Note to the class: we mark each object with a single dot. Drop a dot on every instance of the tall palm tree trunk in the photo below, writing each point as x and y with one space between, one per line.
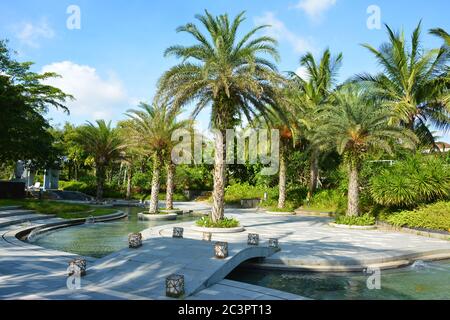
100 175
155 184
129 178
169 185
314 174
282 180
353 191
219 178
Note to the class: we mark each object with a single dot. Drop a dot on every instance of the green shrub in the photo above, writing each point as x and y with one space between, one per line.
207 222
328 200
364 220
236 192
435 216
417 180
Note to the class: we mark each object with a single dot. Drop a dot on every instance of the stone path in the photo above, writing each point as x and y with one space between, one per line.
30 272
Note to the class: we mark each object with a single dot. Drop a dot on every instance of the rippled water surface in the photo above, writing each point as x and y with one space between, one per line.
100 239
424 280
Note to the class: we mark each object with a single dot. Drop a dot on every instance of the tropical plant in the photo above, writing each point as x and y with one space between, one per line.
408 183
412 84
355 126
442 34
307 96
151 130
104 144
231 75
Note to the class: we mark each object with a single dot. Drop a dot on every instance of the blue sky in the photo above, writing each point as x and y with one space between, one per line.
116 58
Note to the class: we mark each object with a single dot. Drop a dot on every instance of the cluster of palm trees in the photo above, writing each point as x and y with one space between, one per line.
238 79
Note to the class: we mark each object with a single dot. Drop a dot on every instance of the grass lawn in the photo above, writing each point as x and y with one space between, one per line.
60 209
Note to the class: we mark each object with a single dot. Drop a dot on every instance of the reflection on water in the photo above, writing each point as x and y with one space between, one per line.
99 239
423 280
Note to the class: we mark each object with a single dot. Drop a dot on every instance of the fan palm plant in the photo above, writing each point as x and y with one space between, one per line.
355 125
104 144
412 83
308 95
231 75
152 127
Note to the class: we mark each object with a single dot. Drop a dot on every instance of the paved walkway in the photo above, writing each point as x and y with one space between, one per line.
30 272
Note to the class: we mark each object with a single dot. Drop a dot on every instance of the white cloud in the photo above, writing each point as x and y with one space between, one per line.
31 34
279 31
302 72
96 97
315 8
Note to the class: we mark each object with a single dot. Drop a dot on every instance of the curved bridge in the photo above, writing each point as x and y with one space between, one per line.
143 271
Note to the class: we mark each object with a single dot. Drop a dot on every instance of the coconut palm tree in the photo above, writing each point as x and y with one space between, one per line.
231 75
310 93
152 127
355 125
104 144
412 83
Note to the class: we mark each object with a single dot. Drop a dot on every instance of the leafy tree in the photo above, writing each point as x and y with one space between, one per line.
230 74
412 83
104 144
355 125
23 101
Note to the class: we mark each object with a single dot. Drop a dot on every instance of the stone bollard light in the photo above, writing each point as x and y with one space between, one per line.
273 243
221 250
175 286
178 232
135 240
253 239
77 267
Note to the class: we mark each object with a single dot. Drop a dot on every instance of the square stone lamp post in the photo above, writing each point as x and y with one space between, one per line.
221 250
135 240
175 286
77 267
178 232
253 239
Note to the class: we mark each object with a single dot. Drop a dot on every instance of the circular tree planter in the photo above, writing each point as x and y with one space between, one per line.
218 230
344 226
156 217
176 211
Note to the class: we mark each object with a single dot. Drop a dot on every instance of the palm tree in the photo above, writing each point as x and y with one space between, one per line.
231 75
152 128
308 95
104 144
443 34
412 84
129 155
355 125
